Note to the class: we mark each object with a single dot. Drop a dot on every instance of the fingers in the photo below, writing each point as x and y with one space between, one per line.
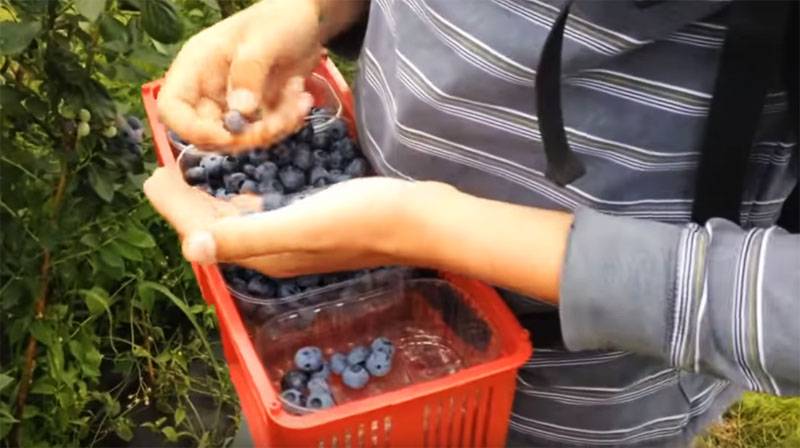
288 115
250 67
188 209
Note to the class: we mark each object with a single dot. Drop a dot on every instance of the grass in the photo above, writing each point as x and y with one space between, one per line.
757 421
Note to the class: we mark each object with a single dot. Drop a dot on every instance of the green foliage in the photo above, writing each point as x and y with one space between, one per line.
125 346
757 421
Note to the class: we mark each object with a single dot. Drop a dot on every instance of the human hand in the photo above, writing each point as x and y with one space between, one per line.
253 62
356 224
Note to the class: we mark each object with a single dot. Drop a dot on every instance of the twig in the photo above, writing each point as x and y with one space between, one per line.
39 308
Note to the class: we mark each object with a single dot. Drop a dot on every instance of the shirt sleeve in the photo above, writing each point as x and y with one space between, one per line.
715 299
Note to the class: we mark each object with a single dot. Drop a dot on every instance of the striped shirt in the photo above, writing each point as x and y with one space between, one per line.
663 322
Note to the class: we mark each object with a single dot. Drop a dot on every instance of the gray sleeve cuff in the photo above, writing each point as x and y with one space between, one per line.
617 285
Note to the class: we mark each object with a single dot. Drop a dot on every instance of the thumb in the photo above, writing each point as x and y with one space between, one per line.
252 63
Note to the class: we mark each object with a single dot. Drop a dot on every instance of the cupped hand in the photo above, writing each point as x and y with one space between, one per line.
356 224
253 62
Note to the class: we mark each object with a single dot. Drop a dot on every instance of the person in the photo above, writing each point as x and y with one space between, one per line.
555 149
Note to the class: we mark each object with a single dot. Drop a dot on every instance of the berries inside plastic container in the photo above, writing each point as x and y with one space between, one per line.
426 325
319 154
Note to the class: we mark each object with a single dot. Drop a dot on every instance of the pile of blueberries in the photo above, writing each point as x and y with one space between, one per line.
307 384
309 160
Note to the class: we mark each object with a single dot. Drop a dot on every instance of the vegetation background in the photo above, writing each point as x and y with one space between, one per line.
105 338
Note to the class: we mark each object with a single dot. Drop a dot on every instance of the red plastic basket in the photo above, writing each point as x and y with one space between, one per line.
468 408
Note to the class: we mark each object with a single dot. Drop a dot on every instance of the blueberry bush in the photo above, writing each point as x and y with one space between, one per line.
105 339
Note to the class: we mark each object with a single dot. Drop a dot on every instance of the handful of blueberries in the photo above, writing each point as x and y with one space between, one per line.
299 165
307 385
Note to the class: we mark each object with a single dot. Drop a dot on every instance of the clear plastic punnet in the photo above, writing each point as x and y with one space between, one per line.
258 310
436 332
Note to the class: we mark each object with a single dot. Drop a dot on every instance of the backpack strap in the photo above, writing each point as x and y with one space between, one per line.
749 61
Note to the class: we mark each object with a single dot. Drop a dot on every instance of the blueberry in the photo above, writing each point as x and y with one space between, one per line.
382 344
206 188
248 187
261 286
379 364
234 121
287 288
292 178
221 193
318 384
336 178
330 279
134 122
294 397
338 129
271 186
305 134
308 281
320 400
271 201
233 182
247 274
266 171
212 163
195 175
281 154
238 284
302 157
346 147
258 156
230 164
335 160
319 157
356 168
249 169
320 141
355 376
176 138
308 359
317 173
357 355
323 373
338 363
294 379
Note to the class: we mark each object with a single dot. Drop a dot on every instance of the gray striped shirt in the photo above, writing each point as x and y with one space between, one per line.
664 322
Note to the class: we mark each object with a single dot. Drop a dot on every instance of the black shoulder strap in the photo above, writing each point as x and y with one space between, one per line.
750 59
562 165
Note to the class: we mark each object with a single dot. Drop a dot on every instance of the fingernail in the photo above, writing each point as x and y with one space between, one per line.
305 103
200 247
242 100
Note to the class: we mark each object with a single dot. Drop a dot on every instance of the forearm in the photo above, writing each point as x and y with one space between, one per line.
510 246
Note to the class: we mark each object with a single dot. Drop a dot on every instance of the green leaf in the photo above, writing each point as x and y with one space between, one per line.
111 259
125 250
43 386
180 415
16 36
43 332
97 300
123 431
5 380
101 184
161 22
138 238
170 433
90 240
91 9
